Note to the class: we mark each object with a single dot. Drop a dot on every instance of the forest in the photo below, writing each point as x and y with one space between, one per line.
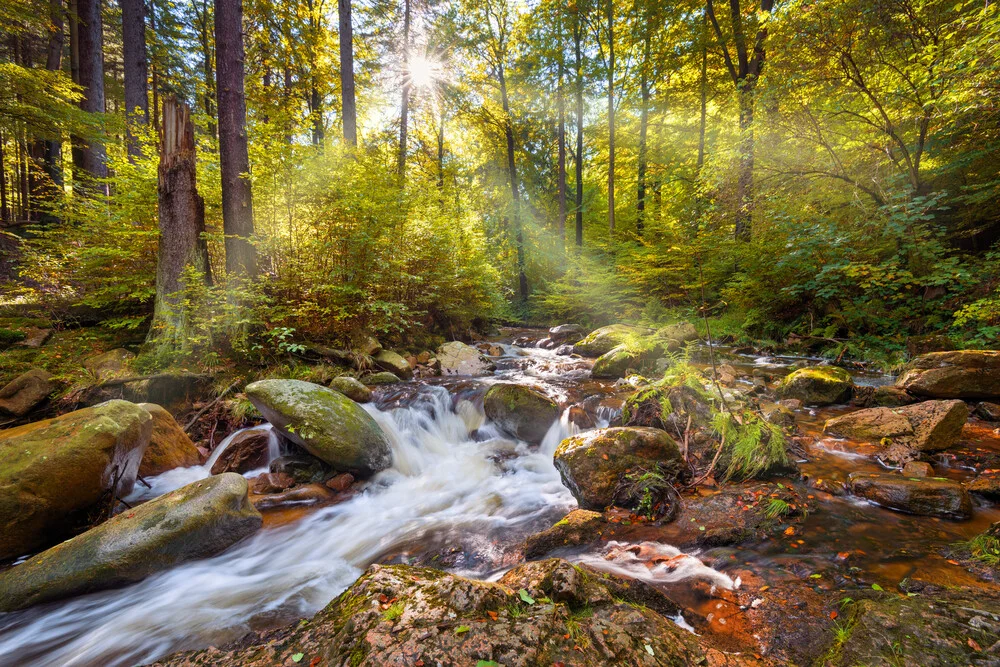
636 309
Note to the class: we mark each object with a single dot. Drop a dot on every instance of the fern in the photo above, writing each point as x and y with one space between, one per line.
753 445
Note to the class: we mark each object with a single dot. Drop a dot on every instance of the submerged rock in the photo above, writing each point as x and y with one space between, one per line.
988 411
392 362
522 411
928 496
930 426
302 467
324 422
169 446
566 334
457 358
593 464
543 613
247 450
351 388
958 374
25 392
817 385
54 472
195 521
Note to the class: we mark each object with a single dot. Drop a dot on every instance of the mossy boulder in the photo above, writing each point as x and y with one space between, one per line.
957 374
394 363
619 361
929 426
575 616
522 411
109 363
351 388
25 392
169 446
675 335
55 472
577 528
380 378
457 358
593 464
327 424
925 496
817 385
195 521
603 340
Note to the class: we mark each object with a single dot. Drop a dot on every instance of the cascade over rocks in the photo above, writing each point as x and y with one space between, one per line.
54 472
327 424
927 496
195 521
457 358
593 464
930 426
444 619
817 385
25 392
957 374
522 411
169 446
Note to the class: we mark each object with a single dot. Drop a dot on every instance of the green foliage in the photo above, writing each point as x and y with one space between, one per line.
9 336
753 445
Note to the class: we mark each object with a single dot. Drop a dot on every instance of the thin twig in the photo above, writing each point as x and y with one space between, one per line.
711 466
198 415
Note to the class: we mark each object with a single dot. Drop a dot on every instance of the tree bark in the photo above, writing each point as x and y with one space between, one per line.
578 55
4 211
703 95
640 219
76 143
136 71
315 97
349 109
182 221
404 104
91 41
206 65
53 62
611 117
234 161
561 175
522 279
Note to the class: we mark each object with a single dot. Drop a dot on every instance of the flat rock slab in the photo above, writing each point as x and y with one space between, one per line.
930 426
958 374
926 496
457 358
34 337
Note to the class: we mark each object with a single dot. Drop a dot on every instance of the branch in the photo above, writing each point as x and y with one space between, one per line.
722 42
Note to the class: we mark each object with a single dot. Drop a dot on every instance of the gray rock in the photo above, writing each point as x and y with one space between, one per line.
457 358
524 412
351 388
25 392
927 496
392 362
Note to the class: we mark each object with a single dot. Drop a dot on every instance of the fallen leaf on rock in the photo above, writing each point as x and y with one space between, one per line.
974 646
493 615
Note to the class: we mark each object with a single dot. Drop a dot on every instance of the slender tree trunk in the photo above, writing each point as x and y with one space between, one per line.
76 143
640 205
611 118
155 71
703 95
53 62
206 66
182 222
578 54
440 143
315 98
4 210
744 180
237 201
136 71
348 106
561 176
404 105
91 41
508 131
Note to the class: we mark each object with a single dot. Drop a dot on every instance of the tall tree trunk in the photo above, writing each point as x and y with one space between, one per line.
440 143
206 66
611 117
508 130
315 97
237 201
640 219
578 54
91 42
182 222
744 180
76 143
404 104
349 109
5 215
703 95
155 71
53 62
561 175
136 71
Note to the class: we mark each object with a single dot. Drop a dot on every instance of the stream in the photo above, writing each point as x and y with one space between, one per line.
457 487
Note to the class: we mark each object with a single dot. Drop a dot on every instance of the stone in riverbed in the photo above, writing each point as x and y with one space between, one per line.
303 468
929 426
576 528
566 333
592 464
617 362
392 362
377 379
457 358
817 385
890 397
327 424
987 485
247 450
958 374
988 411
603 340
522 411
923 496
351 388
918 469
169 446
54 472
195 521
25 392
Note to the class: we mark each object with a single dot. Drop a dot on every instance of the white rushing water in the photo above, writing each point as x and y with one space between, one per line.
443 483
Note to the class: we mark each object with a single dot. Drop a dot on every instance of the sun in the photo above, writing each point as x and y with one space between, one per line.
423 72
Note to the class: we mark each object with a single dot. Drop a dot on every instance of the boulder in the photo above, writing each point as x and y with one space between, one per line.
327 424
675 335
576 528
53 473
566 333
271 482
341 482
917 345
110 363
929 426
592 464
890 397
817 385
369 345
246 450
987 484
927 496
34 337
617 362
918 469
377 379
957 374
195 521
169 446
392 362
25 392
605 339
351 388
988 411
522 411
305 494
303 468
457 358
541 613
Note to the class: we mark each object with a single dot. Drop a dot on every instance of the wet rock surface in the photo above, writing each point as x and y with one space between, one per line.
169 446
25 392
524 412
817 385
924 496
457 358
929 426
352 389
247 450
958 374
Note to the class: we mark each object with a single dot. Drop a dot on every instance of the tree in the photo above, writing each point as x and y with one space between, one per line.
578 66
404 103
91 58
135 70
53 62
348 108
234 160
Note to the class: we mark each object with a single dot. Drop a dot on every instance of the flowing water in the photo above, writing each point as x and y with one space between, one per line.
457 487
